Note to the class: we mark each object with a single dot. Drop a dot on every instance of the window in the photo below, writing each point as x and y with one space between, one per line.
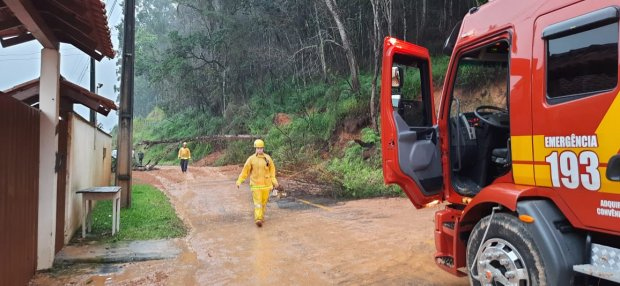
411 101
482 79
582 63
479 121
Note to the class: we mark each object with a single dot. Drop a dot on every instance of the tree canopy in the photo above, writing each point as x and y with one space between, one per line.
215 55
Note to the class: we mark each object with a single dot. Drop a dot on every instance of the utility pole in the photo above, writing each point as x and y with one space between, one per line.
93 114
125 118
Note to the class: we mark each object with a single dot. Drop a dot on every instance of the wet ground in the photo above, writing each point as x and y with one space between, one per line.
303 242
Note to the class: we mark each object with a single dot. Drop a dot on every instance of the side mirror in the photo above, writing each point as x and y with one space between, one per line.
448 46
397 77
397 84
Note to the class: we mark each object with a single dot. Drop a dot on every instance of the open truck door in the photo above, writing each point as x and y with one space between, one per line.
409 135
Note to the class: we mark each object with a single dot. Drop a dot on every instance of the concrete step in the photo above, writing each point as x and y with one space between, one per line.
119 252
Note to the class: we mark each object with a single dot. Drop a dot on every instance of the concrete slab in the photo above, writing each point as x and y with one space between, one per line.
119 252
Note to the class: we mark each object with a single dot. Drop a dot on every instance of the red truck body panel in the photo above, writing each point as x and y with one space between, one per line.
584 130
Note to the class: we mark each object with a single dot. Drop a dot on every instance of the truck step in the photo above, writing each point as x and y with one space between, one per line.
448 228
605 263
449 224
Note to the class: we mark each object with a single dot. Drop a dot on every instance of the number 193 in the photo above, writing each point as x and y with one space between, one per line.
565 170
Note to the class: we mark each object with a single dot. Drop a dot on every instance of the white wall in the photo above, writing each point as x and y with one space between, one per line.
89 164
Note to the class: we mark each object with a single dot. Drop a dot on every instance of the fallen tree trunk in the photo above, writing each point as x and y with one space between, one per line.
148 166
201 139
145 168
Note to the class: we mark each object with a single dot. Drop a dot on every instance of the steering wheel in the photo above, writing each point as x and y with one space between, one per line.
498 118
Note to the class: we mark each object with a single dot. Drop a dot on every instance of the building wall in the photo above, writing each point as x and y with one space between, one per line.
89 165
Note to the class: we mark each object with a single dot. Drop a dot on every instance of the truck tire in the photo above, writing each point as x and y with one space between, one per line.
508 255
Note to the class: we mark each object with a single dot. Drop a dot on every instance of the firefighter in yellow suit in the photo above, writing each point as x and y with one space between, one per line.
262 172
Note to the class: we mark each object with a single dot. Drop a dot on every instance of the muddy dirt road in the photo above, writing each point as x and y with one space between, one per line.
317 242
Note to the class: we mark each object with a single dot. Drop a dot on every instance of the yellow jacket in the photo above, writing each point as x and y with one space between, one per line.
184 153
262 172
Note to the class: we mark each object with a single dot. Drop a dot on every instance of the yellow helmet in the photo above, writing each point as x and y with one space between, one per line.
259 143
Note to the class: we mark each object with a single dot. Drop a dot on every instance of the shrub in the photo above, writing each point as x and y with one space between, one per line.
236 153
361 178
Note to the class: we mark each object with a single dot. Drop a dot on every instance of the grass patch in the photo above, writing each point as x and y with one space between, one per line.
151 216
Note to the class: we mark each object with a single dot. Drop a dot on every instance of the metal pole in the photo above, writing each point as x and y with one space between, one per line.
125 118
93 114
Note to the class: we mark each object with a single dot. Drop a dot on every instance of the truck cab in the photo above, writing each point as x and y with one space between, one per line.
522 143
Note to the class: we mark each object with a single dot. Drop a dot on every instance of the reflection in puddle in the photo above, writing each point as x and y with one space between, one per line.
99 281
109 268
102 270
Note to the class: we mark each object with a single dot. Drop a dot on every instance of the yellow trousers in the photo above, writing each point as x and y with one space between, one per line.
260 197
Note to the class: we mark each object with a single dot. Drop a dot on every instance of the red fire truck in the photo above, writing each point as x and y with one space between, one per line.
522 144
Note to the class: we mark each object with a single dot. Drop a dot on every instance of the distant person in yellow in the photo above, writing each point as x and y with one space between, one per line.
184 155
262 172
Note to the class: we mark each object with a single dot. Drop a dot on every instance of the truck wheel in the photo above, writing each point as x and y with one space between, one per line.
508 255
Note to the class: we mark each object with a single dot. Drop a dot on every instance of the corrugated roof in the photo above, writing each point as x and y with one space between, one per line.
81 23
29 92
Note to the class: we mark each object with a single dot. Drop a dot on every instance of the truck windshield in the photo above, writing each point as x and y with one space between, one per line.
482 78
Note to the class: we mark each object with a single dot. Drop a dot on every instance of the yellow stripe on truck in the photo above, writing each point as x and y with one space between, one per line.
609 143
541 170
522 168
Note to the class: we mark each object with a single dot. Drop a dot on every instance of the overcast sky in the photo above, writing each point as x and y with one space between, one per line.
22 63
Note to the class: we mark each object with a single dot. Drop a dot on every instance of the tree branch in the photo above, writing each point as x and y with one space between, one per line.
302 49
148 144
205 60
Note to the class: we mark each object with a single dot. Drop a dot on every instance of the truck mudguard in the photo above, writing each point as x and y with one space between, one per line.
561 246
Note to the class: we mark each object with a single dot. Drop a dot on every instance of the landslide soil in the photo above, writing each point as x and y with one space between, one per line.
364 242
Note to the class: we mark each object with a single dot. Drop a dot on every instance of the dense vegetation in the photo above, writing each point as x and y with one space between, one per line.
301 74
